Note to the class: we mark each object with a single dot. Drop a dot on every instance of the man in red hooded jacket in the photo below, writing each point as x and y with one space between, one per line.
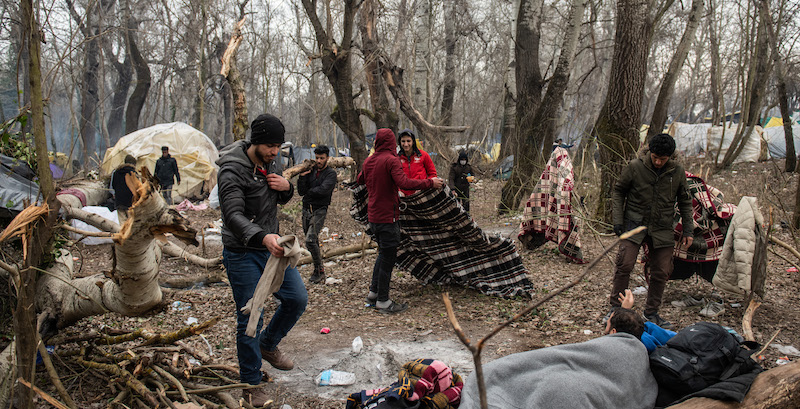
383 175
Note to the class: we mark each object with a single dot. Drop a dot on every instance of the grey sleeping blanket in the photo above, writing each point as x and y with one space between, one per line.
612 371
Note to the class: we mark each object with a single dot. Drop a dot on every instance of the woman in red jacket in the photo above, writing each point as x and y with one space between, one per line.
416 163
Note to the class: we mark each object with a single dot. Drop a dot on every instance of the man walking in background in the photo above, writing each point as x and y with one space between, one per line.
166 172
645 195
316 186
383 174
250 189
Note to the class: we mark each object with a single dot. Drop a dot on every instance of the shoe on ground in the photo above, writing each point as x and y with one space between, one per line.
689 301
277 359
371 301
318 276
656 319
712 309
608 315
393 308
256 397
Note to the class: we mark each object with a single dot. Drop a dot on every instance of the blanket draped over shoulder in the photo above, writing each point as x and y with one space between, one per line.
548 213
441 244
421 384
612 371
711 219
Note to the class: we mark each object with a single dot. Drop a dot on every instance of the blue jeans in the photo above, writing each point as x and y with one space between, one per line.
388 237
244 270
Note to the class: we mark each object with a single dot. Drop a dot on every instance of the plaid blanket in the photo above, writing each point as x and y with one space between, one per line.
711 219
548 212
441 244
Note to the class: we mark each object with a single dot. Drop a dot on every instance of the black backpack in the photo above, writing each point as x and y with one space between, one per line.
699 356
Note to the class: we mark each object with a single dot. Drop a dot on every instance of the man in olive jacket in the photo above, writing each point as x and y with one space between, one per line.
645 195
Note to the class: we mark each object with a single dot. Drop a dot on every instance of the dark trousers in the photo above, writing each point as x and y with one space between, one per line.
313 220
244 270
388 237
463 198
660 268
166 192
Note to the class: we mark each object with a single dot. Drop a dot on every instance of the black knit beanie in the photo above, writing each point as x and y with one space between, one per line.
267 129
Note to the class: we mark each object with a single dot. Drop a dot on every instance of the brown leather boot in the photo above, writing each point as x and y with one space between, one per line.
256 397
277 359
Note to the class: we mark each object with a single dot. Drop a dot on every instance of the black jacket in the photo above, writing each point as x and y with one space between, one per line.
317 187
458 178
122 193
249 206
166 170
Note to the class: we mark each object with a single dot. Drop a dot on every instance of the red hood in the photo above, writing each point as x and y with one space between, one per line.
385 140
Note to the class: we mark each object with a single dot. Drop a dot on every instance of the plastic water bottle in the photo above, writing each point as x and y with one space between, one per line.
358 344
330 377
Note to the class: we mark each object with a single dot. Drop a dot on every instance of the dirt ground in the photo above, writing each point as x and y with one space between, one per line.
424 330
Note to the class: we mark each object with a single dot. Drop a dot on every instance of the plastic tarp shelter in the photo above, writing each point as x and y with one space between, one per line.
193 150
776 140
755 148
690 139
15 188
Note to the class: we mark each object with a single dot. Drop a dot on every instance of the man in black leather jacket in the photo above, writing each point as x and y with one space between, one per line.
250 189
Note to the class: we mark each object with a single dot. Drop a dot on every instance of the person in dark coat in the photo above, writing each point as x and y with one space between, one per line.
645 195
460 178
250 189
166 172
123 197
316 186
383 174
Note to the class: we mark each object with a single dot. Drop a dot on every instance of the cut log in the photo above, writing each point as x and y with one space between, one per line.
747 320
338 252
308 164
778 388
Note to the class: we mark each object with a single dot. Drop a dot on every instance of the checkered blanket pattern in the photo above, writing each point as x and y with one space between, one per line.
441 244
548 212
711 219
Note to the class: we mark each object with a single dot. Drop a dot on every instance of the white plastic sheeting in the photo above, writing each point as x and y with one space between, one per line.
776 139
755 148
98 210
690 139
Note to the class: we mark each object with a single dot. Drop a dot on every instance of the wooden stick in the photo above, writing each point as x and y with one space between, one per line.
308 164
785 259
764 348
339 251
747 320
51 400
54 378
84 232
161 371
785 245
477 348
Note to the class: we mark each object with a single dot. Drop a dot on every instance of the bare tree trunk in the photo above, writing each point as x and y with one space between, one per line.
382 114
659 118
617 127
783 99
450 38
336 64
757 79
539 138
139 94
716 87
231 72
89 88
124 78
423 16
198 116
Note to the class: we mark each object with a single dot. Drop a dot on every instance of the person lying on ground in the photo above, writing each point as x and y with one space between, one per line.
624 319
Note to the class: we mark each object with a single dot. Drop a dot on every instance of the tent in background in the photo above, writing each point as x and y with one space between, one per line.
755 148
690 139
17 188
776 140
193 150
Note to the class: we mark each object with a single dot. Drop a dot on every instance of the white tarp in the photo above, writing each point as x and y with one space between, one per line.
193 150
91 241
690 139
755 148
776 139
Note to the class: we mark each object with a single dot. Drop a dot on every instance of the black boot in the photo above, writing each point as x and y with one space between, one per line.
318 275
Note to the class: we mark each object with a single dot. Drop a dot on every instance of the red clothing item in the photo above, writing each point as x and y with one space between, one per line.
383 175
417 167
